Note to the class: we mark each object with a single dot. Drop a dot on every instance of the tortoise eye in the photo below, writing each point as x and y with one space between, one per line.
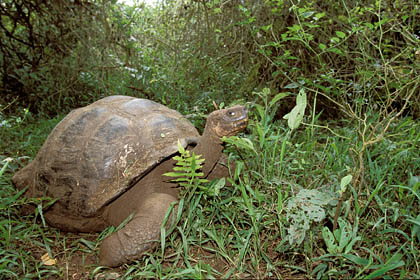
231 114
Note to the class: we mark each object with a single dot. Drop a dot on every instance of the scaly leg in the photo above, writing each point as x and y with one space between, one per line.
140 234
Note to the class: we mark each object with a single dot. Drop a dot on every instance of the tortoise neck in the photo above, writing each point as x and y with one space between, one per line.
210 147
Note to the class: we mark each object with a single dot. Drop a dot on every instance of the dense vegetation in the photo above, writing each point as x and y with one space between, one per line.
333 194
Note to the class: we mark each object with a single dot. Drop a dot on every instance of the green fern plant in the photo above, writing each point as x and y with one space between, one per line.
187 169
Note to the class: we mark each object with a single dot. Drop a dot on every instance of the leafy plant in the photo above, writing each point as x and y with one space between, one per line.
187 172
342 239
295 117
304 209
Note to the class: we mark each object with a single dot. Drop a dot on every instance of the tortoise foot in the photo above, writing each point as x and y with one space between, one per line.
139 235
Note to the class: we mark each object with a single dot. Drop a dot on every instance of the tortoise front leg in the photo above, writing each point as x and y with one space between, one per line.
140 234
221 169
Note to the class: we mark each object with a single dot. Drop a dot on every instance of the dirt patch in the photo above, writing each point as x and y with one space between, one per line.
218 263
71 256
78 266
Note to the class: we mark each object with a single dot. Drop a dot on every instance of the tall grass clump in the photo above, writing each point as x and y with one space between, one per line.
23 240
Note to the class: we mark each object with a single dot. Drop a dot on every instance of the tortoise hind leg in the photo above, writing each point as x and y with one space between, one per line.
140 234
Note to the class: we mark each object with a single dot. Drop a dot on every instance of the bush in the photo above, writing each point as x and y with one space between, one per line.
58 55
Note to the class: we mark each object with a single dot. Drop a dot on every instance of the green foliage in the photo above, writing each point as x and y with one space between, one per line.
23 134
343 53
343 239
187 170
16 260
295 116
359 54
304 209
56 56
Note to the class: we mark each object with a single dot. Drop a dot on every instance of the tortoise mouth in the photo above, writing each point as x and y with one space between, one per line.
239 126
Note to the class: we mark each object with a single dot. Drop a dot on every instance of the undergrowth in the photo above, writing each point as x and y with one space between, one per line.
276 217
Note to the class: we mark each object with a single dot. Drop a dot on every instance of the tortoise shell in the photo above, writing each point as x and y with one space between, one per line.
99 151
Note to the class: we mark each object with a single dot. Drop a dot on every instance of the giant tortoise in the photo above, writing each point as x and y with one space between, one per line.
106 161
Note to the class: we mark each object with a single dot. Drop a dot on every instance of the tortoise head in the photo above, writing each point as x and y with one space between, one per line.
227 122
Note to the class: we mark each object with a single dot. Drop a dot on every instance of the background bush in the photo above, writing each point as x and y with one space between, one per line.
59 55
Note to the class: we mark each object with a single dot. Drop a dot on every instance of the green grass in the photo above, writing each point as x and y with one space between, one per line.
244 231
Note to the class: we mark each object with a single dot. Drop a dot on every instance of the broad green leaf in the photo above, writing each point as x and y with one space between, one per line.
344 182
215 188
335 50
193 163
242 143
414 181
295 117
238 170
335 39
278 96
260 110
340 34
261 134
329 240
349 246
307 14
384 269
177 158
369 25
357 260
319 15
266 27
172 174
292 85
345 237
162 238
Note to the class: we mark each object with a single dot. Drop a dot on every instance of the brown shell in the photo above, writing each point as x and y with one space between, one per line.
97 152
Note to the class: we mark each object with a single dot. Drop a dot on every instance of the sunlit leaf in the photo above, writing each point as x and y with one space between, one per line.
340 34
295 117
242 143
344 182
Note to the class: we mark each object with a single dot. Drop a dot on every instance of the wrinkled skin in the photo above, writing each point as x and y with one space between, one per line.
106 161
